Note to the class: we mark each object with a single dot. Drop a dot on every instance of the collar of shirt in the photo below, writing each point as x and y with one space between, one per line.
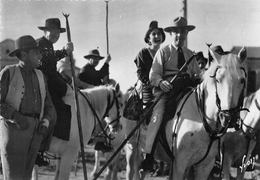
26 69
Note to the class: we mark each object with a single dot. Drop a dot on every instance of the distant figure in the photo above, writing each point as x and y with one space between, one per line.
26 110
202 61
89 74
218 49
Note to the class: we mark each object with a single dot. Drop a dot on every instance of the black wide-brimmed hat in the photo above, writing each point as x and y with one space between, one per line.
26 42
218 49
178 23
95 53
52 24
153 25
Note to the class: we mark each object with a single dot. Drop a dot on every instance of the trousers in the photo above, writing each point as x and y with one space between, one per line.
19 149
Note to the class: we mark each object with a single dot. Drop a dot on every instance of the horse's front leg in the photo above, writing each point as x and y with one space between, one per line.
57 170
96 165
35 173
66 162
226 167
203 169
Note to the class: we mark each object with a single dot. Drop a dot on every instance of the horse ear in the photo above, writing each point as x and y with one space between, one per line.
117 87
215 55
242 54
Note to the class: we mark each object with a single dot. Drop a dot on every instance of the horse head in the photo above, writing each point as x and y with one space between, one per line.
114 108
227 80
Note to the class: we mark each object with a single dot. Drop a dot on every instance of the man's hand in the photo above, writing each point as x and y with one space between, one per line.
108 58
69 47
20 121
6 111
165 86
43 126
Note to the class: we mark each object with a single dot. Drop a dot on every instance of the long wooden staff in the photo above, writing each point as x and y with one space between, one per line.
76 100
107 34
146 113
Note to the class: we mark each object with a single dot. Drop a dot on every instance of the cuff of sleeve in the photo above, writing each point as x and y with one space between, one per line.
46 122
158 83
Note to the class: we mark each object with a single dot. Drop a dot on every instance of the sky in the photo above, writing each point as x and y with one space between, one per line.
221 22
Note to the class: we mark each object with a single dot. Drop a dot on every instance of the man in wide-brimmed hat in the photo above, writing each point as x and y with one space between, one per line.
26 110
218 49
90 75
56 84
167 62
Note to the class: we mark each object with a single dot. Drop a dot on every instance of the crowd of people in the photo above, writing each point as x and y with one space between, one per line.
32 90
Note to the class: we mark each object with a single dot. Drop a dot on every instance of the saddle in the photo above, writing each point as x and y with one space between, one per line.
170 112
58 89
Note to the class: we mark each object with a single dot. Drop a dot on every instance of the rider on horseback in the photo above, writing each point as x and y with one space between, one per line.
166 64
90 75
56 84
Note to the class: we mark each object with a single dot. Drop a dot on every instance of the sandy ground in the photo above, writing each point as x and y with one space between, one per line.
48 173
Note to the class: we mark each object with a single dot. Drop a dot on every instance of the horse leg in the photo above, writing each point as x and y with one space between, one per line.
57 170
67 159
35 173
132 167
178 171
96 165
115 168
203 170
226 167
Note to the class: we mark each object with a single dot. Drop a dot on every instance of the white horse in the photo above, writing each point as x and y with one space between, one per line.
105 103
238 145
113 168
203 116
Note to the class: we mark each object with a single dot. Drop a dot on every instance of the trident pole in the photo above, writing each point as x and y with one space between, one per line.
76 100
107 34
142 119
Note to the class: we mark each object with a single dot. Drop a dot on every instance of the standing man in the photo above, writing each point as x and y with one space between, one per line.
56 84
26 110
166 64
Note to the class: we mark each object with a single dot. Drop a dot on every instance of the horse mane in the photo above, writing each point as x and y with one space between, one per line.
97 94
249 99
229 61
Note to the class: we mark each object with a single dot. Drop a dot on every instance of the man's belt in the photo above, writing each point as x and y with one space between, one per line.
37 116
181 75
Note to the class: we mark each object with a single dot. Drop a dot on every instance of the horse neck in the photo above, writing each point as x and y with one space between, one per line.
252 118
209 98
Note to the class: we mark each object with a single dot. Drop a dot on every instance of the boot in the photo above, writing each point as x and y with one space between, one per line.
42 160
148 163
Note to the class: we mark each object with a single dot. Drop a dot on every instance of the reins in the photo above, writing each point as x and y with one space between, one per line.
109 106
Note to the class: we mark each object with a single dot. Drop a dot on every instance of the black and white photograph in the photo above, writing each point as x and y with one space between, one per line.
130 89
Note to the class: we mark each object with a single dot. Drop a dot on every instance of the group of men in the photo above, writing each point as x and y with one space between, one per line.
32 91
31 98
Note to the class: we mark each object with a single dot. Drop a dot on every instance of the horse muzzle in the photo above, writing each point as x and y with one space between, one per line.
230 119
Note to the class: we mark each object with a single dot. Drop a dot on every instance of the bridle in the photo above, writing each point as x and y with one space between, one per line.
234 113
110 105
